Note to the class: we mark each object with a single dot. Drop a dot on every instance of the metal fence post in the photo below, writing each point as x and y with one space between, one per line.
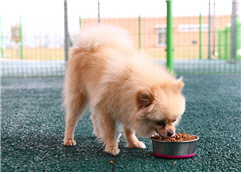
200 36
219 43
209 29
66 32
238 39
170 56
1 30
233 31
227 42
139 31
98 12
214 30
21 38
80 22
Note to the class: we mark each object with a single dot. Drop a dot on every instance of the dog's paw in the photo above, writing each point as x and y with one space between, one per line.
113 150
69 142
137 145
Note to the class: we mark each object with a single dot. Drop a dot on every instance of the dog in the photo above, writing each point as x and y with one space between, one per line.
119 83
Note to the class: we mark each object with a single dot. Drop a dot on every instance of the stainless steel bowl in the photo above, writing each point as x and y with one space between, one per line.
178 149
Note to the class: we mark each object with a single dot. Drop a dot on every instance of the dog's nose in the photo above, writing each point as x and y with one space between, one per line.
170 133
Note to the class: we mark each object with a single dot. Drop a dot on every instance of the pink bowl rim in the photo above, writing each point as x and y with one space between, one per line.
174 156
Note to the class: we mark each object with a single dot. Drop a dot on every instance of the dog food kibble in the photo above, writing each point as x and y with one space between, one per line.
177 137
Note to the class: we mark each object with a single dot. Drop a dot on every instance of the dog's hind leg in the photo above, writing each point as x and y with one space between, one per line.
132 141
75 104
108 128
96 125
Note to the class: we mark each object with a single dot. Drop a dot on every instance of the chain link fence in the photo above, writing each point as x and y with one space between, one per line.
32 39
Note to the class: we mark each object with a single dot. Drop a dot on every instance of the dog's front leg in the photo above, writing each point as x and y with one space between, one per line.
108 126
132 140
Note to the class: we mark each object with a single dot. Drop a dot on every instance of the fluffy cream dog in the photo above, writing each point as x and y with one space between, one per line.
121 84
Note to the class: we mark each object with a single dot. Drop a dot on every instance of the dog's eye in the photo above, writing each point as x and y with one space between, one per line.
161 123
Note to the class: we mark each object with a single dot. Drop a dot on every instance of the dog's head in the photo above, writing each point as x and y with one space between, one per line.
160 109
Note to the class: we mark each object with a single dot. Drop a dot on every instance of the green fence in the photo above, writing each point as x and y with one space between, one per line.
224 42
238 40
38 50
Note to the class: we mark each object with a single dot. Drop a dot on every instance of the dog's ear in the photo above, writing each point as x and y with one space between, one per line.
144 98
179 84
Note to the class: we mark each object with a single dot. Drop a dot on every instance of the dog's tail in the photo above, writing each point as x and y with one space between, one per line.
103 35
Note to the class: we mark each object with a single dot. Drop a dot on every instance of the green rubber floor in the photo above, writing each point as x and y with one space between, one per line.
32 129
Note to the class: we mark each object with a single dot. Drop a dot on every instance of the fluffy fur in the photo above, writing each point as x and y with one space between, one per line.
121 84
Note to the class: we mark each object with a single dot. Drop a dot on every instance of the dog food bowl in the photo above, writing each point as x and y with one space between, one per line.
176 149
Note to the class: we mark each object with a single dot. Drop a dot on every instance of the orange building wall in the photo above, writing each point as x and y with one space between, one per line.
183 46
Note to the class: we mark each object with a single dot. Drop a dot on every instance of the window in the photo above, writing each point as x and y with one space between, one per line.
162 36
